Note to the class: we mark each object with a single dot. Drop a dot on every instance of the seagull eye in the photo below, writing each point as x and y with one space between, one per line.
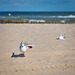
22 46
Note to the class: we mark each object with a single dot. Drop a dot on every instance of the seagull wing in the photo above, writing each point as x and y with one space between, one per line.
30 45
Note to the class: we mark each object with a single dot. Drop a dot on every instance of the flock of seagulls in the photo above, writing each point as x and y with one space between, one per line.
24 47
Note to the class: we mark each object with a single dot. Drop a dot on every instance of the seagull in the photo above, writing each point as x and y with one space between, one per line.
9 14
24 47
62 37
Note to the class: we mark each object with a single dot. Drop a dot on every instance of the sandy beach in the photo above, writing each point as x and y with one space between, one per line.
49 56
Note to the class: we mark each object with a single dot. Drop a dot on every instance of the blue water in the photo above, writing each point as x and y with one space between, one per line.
39 16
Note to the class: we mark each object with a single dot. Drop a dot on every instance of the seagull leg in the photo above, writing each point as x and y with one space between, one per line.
24 54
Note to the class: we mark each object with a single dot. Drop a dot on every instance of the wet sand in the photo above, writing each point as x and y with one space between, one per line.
49 56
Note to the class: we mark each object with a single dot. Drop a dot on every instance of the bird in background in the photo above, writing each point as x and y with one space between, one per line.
61 37
24 47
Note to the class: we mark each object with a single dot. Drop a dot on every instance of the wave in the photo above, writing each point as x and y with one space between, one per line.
40 18
54 16
32 20
59 16
62 21
9 18
69 16
44 16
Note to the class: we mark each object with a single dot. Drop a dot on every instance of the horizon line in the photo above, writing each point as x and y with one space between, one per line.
37 11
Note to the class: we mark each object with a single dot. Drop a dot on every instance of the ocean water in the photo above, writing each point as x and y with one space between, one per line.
39 16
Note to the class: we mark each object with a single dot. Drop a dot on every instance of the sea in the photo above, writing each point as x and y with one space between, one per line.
39 16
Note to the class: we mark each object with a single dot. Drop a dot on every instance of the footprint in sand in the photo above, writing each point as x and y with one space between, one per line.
42 68
32 69
16 70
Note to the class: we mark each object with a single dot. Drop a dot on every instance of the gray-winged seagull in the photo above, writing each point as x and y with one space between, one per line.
24 47
61 37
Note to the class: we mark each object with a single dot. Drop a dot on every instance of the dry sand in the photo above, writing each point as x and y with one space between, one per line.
49 57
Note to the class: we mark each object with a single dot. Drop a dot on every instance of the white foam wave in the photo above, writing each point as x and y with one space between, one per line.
69 16
62 21
2 16
36 20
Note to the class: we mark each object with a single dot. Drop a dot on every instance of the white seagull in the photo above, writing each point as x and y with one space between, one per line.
9 14
24 47
61 37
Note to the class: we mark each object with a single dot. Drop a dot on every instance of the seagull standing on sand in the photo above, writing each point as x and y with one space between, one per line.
24 47
61 37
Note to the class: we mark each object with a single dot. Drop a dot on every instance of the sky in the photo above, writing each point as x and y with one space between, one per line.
37 5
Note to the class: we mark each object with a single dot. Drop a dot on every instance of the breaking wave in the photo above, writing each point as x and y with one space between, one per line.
69 16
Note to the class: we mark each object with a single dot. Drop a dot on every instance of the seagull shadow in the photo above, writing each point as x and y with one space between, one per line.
17 55
57 38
